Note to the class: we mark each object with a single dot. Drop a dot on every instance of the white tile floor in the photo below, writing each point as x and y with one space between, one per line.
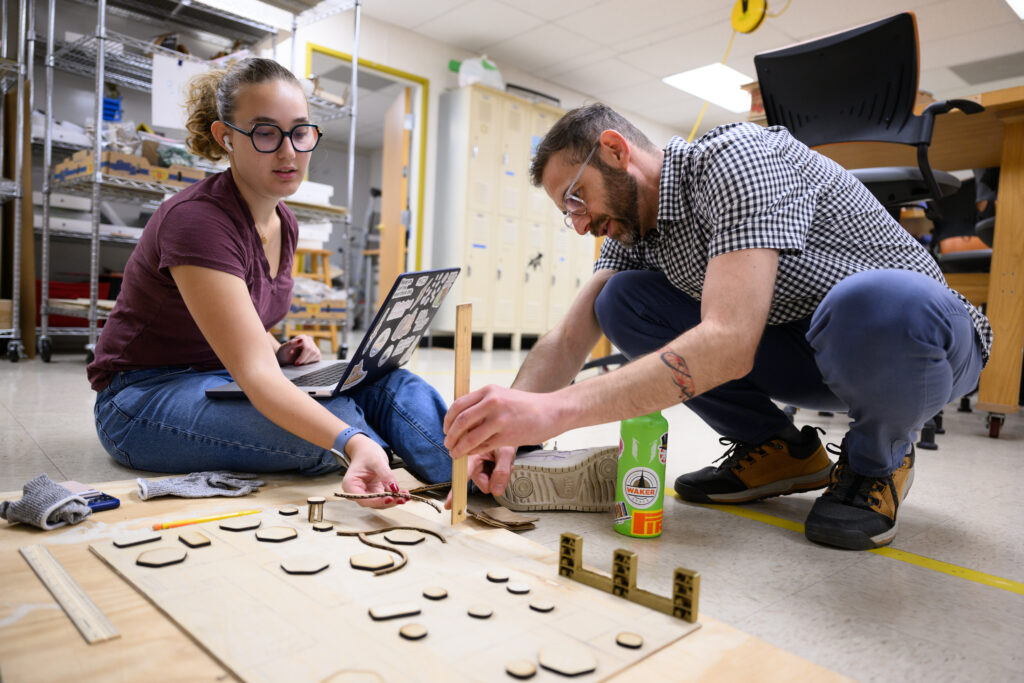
870 616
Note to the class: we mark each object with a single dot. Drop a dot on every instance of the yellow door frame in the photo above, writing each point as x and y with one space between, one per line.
424 89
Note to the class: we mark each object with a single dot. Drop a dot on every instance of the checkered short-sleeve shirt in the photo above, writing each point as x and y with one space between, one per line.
742 186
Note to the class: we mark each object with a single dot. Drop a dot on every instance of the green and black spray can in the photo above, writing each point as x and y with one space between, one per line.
640 493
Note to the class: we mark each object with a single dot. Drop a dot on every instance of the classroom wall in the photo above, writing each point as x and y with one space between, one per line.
404 50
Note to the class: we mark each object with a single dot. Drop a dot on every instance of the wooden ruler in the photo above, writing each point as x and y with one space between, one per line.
83 612
463 346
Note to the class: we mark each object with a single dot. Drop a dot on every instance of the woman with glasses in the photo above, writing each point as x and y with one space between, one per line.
210 277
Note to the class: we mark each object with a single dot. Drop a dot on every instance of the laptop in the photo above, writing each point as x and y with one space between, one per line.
389 342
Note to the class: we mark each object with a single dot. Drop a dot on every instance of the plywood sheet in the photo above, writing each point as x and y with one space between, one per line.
266 625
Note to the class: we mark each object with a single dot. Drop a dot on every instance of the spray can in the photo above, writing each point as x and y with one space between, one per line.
640 490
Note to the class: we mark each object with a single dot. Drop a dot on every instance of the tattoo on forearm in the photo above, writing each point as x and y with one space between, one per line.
680 374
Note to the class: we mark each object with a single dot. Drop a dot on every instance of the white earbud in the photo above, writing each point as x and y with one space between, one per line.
227 145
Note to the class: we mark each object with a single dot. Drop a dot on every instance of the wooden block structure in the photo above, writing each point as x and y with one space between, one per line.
314 264
685 582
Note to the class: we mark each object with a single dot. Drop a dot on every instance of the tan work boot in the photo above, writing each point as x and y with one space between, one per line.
858 512
752 472
581 480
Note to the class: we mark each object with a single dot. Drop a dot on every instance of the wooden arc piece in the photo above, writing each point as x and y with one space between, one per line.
276 534
521 668
567 658
413 631
542 606
241 524
372 560
404 536
304 565
129 540
194 539
161 557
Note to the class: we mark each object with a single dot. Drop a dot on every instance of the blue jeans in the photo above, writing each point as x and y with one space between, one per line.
890 347
159 419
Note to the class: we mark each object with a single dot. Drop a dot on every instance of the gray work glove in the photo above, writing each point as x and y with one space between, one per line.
201 485
46 504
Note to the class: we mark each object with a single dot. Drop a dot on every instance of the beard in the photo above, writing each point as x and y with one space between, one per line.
621 191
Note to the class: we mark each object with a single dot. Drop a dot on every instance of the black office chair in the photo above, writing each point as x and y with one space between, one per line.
860 85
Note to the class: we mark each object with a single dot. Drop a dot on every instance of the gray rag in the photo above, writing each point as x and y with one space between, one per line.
46 504
201 485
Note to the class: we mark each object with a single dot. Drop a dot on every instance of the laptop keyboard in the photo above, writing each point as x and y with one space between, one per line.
322 377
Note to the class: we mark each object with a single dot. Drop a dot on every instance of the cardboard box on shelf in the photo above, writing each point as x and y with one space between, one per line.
111 163
5 313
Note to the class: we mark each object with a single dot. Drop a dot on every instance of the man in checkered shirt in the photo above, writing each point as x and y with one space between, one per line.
741 270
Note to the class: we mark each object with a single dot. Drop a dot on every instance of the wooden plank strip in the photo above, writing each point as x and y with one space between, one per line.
463 345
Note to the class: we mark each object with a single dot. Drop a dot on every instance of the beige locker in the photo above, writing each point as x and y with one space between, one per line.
536 276
507 287
513 183
563 275
484 149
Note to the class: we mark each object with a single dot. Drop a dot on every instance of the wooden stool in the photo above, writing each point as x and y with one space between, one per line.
314 264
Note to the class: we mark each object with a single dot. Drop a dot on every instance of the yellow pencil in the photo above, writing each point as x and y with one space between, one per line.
200 520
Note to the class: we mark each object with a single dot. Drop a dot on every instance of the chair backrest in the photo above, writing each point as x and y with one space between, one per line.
856 85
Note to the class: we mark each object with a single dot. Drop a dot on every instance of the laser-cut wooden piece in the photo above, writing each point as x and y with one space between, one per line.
315 511
354 676
288 510
480 611
403 609
241 524
371 560
322 526
518 588
463 346
404 537
497 576
568 658
276 534
413 631
521 669
304 565
128 540
631 640
194 539
161 557
542 606
622 582
435 593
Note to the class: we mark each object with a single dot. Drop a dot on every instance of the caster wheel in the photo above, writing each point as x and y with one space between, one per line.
45 348
12 353
995 423
790 412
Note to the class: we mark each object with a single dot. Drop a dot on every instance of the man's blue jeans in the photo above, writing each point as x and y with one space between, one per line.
890 347
159 419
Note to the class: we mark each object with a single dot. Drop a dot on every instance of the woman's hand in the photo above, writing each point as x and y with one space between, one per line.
299 350
370 473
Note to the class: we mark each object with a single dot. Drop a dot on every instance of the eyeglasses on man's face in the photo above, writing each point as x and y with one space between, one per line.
267 137
573 205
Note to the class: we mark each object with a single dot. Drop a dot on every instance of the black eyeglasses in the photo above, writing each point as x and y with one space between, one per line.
267 137
574 206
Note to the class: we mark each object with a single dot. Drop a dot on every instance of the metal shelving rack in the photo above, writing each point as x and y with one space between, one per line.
13 74
109 56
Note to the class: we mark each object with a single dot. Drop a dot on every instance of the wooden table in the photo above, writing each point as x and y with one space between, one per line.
39 643
994 137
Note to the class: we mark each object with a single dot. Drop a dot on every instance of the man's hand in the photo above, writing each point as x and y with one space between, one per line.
492 417
370 473
489 471
299 350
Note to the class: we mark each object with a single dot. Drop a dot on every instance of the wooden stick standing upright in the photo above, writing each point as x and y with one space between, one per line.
463 345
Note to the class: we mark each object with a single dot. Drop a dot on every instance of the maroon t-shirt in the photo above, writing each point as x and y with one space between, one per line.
207 225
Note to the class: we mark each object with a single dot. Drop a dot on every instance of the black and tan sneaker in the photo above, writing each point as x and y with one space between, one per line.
581 480
751 472
858 512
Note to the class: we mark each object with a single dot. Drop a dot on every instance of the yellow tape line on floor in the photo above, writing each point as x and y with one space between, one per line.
901 555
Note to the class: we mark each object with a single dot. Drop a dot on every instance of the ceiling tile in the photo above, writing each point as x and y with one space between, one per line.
549 11
955 17
543 46
409 14
617 20
970 47
477 24
608 74
939 81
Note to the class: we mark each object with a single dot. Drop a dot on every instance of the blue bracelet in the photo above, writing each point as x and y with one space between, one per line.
342 440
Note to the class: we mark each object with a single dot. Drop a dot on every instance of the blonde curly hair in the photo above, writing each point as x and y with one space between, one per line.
213 95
